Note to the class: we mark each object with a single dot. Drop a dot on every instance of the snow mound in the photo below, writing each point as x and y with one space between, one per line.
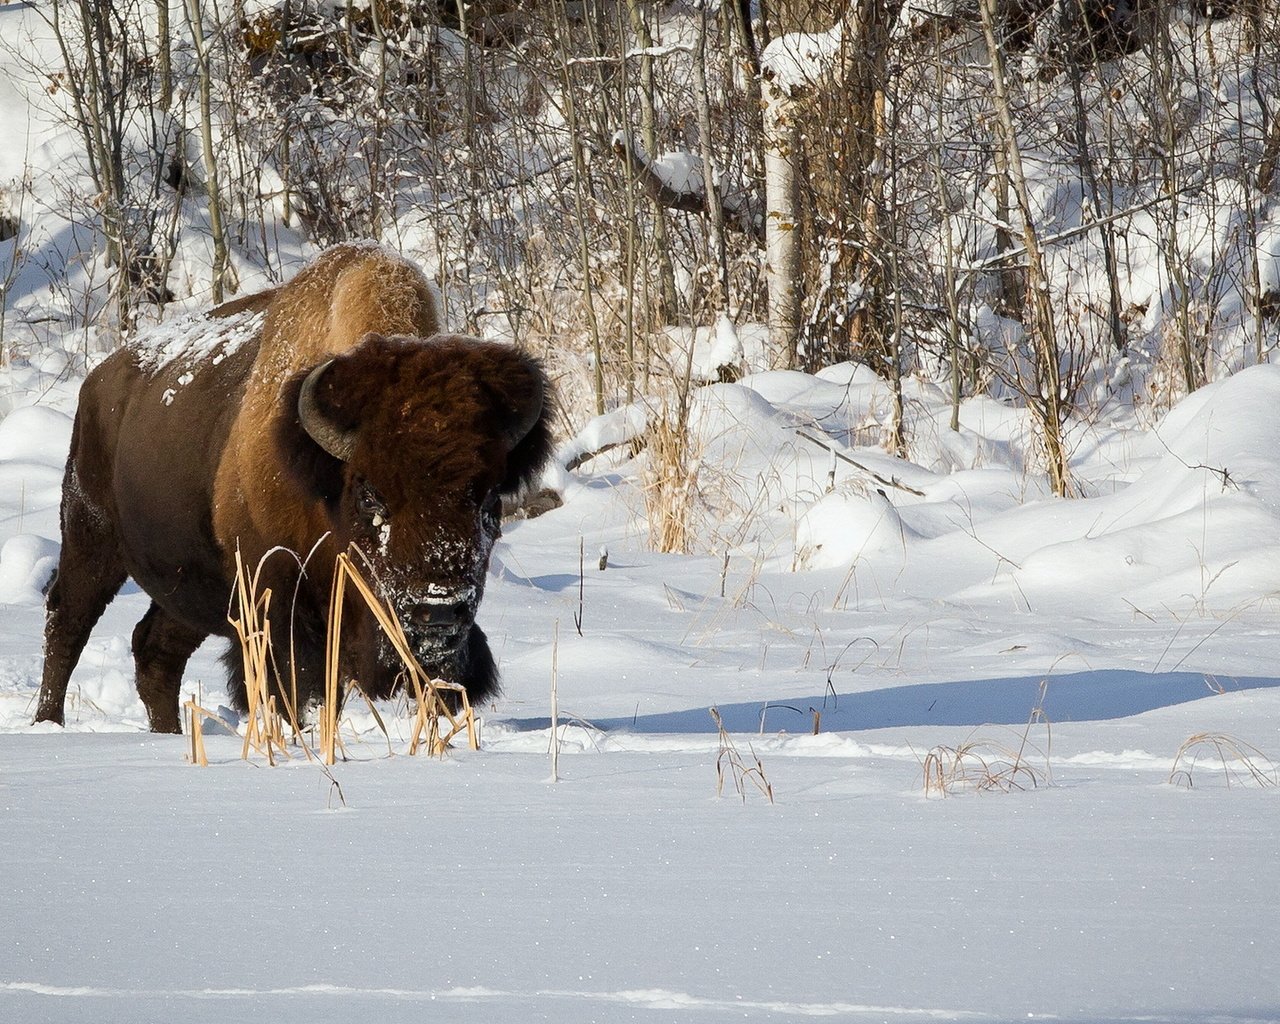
838 529
612 429
35 434
27 562
798 60
708 351
1229 426
680 171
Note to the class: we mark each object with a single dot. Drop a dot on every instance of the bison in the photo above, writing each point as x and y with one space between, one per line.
323 416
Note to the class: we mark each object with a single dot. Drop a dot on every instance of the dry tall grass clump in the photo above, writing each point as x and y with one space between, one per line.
670 484
434 707
1241 762
983 766
443 709
264 727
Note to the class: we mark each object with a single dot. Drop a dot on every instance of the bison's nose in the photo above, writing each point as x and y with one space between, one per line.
439 614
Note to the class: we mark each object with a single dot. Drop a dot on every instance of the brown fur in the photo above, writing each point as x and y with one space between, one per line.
327 309
172 470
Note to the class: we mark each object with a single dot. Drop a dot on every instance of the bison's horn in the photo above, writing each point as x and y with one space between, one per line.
527 415
323 431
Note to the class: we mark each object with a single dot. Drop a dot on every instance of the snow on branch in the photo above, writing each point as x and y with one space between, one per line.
642 51
675 180
799 60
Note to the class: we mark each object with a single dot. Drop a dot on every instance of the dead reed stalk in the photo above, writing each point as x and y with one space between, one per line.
436 722
729 762
1240 760
196 714
264 729
195 731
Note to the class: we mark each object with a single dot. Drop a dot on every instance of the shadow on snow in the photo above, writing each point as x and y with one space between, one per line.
1072 697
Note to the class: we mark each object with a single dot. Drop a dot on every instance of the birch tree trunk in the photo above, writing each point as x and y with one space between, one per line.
782 240
221 259
1045 399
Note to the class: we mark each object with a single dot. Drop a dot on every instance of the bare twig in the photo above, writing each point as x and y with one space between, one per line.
887 481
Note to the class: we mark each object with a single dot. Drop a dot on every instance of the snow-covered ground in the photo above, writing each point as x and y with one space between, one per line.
971 701
138 887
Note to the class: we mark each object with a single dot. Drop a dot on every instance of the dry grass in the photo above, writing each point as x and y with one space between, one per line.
264 728
984 766
670 485
729 764
195 732
978 765
435 723
1239 761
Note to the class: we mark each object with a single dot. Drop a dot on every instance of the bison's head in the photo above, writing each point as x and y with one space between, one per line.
411 445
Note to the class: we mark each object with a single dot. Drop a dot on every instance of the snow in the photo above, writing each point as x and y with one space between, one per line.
708 351
1268 257
35 434
27 563
852 616
680 171
1133 620
195 338
604 432
798 60
839 529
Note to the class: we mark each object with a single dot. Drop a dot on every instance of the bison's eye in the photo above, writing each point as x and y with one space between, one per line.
371 506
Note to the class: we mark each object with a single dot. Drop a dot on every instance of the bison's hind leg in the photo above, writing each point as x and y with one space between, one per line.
237 692
161 648
90 572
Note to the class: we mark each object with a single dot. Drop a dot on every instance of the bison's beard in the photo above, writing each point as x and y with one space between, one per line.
464 659
369 660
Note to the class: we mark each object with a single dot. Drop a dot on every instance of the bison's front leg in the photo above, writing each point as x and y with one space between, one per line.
90 571
161 648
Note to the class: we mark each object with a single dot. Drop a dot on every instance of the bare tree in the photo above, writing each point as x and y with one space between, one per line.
649 135
1047 399
220 272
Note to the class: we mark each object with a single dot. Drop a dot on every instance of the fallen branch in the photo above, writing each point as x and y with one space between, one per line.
584 457
887 481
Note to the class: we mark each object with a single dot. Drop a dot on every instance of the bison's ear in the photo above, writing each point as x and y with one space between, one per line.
312 468
525 403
